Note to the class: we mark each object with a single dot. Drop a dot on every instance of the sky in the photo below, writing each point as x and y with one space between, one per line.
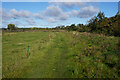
60 0
52 14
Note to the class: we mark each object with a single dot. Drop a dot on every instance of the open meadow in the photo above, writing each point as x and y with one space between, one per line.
59 55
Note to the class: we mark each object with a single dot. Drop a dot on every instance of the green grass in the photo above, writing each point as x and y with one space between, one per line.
59 55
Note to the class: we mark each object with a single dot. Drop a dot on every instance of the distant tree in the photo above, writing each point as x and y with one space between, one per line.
101 15
80 28
12 27
73 27
67 28
34 28
62 27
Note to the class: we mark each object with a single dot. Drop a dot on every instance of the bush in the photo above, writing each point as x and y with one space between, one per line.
12 27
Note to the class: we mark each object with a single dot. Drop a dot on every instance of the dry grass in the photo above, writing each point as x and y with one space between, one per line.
8 34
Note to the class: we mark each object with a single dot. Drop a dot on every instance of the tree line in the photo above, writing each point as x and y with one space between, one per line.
97 24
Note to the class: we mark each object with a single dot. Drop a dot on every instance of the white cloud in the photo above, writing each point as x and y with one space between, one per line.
38 15
70 4
90 8
65 16
19 14
5 15
52 10
30 22
17 23
52 13
52 20
14 14
85 12
55 12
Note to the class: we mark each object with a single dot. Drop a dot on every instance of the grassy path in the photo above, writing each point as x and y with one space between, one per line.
52 62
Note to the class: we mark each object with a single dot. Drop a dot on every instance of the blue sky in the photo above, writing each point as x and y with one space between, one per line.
50 14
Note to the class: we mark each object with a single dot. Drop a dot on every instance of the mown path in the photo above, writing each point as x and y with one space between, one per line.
53 63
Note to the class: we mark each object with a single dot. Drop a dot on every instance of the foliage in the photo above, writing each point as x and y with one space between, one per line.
34 28
11 27
98 24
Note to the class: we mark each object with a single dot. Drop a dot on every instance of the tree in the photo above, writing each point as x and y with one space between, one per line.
92 23
12 27
73 27
96 23
62 27
81 28
34 28
101 15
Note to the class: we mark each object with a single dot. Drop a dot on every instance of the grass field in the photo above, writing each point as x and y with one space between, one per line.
59 55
